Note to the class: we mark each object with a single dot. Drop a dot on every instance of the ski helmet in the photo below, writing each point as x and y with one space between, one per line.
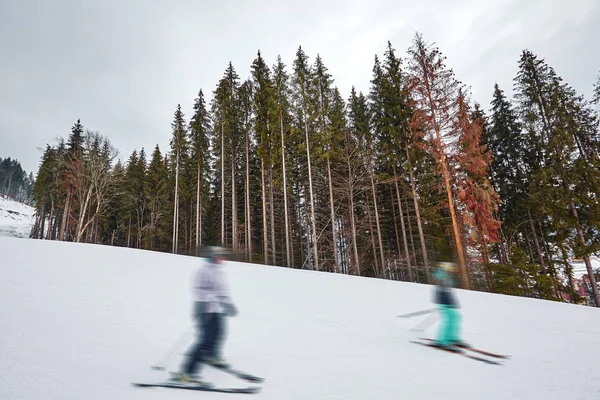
447 266
215 252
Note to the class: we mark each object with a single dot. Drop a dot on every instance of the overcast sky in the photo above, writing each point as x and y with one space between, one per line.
123 66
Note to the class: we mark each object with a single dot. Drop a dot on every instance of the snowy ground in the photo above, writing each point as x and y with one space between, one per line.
80 321
579 268
16 219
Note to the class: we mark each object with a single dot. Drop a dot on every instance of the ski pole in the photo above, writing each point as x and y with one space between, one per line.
175 346
416 313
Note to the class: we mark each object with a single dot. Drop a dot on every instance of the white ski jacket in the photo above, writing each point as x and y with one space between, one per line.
210 286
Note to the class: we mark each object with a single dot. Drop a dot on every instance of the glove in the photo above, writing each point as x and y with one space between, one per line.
230 309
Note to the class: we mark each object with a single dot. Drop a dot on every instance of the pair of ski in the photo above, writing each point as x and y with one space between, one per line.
466 351
210 388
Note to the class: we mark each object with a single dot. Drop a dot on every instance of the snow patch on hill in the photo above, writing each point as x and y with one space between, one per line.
16 219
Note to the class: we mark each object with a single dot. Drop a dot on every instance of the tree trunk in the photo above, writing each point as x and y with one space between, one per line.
402 226
175 208
285 199
395 219
198 212
62 233
234 238
352 219
331 207
446 176
411 237
536 242
418 216
49 233
264 207
457 238
377 221
248 220
222 184
586 257
272 207
312 200
353 227
82 213
375 262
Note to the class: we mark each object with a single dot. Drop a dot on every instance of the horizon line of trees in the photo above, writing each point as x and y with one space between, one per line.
15 182
284 170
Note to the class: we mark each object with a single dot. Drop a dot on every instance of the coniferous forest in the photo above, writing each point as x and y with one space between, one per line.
285 170
15 182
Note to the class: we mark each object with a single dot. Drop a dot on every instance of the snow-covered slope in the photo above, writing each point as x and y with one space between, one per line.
80 321
16 219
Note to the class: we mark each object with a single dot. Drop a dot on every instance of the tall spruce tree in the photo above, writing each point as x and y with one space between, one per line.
304 94
179 152
156 192
282 105
556 118
264 126
199 142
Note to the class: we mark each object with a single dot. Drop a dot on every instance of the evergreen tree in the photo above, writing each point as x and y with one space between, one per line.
360 130
596 95
265 128
304 95
282 115
557 119
179 152
227 141
199 140
323 143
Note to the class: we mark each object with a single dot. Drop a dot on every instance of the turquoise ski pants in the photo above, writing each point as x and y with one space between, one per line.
449 330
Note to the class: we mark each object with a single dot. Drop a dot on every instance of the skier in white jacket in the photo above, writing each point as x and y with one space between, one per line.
212 303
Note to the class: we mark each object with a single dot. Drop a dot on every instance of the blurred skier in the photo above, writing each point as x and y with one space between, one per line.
449 330
212 303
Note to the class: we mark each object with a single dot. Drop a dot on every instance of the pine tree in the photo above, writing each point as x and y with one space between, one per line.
394 128
557 120
264 126
596 95
179 150
199 141
227 140
359 133
247 109
304 92
45 193
156 192
507 170
282 111
323 140
377 113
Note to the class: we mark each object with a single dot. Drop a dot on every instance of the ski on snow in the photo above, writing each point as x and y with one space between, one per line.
482 352
458 351
198 387
239 374
209 387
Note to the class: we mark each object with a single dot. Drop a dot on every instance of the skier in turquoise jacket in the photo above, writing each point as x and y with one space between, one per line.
449 330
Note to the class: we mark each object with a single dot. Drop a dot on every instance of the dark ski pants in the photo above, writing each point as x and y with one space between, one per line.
209 336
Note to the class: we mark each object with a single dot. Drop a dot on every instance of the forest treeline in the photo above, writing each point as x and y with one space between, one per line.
285 170
15 182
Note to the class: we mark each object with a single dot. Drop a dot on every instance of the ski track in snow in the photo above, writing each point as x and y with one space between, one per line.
80 321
